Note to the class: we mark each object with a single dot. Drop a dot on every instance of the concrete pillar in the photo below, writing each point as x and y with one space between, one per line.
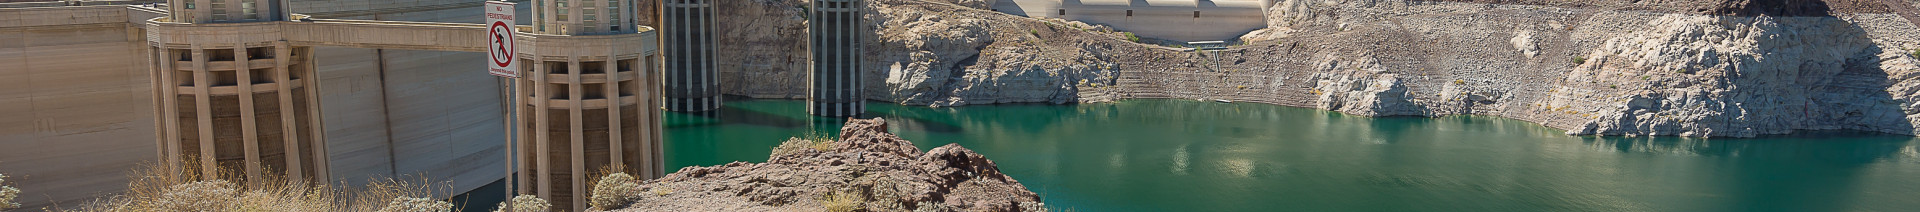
833 87
240 111
687 40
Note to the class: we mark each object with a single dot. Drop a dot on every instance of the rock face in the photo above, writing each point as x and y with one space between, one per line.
948 53
888 171
1743 76
1734 68
762 45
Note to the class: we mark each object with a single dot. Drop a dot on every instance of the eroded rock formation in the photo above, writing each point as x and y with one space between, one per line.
885 172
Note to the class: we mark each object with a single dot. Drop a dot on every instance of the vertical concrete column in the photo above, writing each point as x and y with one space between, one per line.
834 79
687 40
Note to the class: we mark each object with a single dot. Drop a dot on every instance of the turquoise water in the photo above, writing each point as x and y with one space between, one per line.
1178 155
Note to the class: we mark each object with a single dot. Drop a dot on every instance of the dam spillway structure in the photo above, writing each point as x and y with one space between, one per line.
588 100
687 41
228 97
834 81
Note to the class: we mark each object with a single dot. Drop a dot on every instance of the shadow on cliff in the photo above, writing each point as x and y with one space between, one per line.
1855 97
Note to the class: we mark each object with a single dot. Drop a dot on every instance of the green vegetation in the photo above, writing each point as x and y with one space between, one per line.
1035 33
1646 78
8 194
1578 60
1131 37
614 191
1915 53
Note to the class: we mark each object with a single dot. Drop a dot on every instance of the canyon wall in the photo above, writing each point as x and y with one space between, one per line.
1687 68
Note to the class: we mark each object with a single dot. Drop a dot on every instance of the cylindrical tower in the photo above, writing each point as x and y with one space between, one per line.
225 11
231 96
588 100
585 115
585 17
834 82
687 38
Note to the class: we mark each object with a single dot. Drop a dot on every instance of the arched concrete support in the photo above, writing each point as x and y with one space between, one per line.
687 29
833 87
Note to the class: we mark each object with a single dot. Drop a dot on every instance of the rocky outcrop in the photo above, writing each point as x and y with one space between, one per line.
762 45
881 171
937 53
1742 76
1683 67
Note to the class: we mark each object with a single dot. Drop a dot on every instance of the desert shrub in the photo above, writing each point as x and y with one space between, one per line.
1915 53
792 145
1579 60
179 188
1131 37
1035 33
614 191
933 207
842 201
414 204
525 203
8 194
197 196
1033 206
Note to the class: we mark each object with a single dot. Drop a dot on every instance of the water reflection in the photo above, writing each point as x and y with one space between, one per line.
1172 155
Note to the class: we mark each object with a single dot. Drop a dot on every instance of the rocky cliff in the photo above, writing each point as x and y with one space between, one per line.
867 169
1683 67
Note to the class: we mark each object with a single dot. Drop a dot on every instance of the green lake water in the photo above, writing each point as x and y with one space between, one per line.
1179 155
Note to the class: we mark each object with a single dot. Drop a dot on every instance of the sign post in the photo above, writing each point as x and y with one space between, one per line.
501 59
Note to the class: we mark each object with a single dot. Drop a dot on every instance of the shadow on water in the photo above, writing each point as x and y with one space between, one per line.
1807 171
732 115
912 121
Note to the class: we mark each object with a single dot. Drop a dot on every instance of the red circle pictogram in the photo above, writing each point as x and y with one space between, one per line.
502 44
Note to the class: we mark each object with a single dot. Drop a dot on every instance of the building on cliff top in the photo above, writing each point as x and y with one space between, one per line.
1179 20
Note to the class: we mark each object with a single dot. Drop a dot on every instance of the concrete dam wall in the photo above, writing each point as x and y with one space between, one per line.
78 101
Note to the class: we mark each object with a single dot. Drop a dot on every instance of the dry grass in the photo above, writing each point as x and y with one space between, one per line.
159 188
843 201
813 141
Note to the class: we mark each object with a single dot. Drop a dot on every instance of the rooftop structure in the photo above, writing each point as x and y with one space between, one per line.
1180 20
